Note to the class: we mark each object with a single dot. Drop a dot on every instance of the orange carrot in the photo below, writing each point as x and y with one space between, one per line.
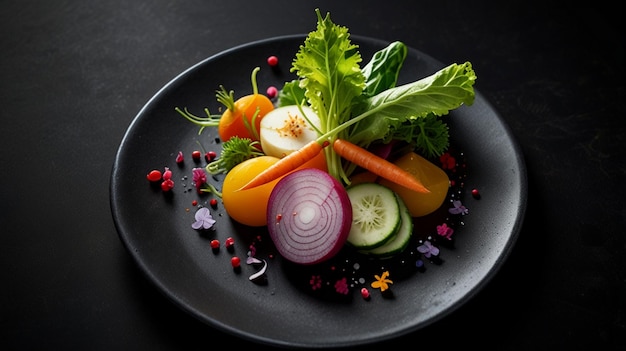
377 165
286 164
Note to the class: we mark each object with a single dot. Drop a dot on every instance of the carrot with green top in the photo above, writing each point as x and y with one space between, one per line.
287 164
377 165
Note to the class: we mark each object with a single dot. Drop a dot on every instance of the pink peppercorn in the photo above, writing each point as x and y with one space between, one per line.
475 193
215 244
167 174
180 158
365 293
271 92
167 185
229 242
272 61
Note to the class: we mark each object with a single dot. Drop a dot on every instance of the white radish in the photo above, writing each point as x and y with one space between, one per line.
286 129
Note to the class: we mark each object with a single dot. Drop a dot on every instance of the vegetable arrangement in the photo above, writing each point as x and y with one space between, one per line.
292 167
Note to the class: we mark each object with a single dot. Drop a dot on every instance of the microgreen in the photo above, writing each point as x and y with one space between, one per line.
234 151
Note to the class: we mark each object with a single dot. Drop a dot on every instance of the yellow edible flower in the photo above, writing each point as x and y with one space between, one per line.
382 281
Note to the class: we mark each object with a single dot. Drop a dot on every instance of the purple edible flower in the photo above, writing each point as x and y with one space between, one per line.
458 208
203 219
428 249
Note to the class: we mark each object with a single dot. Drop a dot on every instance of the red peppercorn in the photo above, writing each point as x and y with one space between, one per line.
229 242
213 203
194 203
167 174
154 175
272 61
365 293
215 244
475 193
210 156
196 155
167 185
235 261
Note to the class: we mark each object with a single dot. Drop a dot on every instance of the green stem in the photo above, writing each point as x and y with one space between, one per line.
255 89
331 133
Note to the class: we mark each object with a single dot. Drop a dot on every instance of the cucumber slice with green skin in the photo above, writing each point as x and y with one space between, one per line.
375 215
402 238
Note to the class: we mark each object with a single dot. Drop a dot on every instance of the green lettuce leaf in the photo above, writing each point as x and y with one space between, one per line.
382 72
328 67
327 64
384 115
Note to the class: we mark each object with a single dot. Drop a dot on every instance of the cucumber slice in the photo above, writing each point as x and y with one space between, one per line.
402 238
375 215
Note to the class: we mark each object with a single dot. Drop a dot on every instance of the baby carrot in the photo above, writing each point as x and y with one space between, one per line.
286 164
377 165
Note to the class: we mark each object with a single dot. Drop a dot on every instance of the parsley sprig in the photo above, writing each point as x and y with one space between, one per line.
234 151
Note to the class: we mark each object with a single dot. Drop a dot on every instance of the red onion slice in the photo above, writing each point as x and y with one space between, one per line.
309 216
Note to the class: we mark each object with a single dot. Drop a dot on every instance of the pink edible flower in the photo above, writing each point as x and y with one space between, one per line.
316 282
445 231
447 161
341 286
199 177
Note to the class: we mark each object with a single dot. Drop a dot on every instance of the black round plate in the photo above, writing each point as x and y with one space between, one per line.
156 228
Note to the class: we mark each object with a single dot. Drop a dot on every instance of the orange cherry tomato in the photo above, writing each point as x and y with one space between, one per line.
238 119
433 178
242 117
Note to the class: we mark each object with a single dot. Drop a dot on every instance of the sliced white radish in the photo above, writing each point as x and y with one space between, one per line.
286 129
309 216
